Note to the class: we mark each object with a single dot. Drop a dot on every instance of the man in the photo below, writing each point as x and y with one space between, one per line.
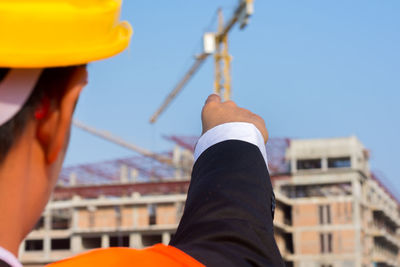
44 49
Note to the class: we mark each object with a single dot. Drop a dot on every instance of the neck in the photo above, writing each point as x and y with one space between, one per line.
23 192
12 191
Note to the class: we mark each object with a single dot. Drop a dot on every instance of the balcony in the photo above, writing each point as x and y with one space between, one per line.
381 255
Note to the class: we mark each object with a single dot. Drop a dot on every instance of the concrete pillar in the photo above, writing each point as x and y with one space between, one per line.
293 165
76 243
354 162
72 179
21 249
187 163
75 219
105 241
324 164
177 160
176 155
179 211
166 237
357 221
47 232
134 175
124 174
135 240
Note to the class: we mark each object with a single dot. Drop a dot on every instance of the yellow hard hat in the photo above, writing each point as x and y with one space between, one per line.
56 33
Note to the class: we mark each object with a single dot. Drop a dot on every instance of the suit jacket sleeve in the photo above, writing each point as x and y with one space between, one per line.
4 264
228 215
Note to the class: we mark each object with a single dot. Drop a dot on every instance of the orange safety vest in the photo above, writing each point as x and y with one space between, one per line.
158 255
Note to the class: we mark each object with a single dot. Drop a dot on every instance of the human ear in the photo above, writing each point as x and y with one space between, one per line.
53 129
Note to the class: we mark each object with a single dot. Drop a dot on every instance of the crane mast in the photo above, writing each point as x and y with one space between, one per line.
217 44
222 60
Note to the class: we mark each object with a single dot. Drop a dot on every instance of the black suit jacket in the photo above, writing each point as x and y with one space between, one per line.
228 215
3 264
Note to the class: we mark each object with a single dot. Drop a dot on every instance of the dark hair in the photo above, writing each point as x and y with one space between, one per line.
52 84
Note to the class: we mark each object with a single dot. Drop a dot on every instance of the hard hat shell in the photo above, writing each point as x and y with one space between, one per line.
56 33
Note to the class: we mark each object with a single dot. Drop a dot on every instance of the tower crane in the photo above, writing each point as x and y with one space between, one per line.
214 43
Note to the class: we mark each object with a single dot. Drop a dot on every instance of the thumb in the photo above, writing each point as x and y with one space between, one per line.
213 98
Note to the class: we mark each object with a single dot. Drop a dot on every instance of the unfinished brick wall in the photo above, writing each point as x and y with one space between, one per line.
166 213
127 216
142 214
307 242
83 218
305 215
105 217
344 241
342 212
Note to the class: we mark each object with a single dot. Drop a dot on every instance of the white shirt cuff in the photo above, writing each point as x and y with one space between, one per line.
9 258
242 131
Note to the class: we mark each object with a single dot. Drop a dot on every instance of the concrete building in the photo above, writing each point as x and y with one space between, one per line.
331 211
342 216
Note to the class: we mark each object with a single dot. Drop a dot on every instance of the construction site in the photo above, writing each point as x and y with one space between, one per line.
331 209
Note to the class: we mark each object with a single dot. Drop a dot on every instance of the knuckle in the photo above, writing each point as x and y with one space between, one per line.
256 118
259 119
261 123
230 103
209 105
245 112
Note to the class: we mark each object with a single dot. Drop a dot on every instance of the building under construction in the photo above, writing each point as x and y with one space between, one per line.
331 210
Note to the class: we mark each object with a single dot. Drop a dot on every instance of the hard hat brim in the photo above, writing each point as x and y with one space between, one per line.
80 54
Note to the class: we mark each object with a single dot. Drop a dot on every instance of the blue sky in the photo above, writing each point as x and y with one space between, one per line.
311 69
